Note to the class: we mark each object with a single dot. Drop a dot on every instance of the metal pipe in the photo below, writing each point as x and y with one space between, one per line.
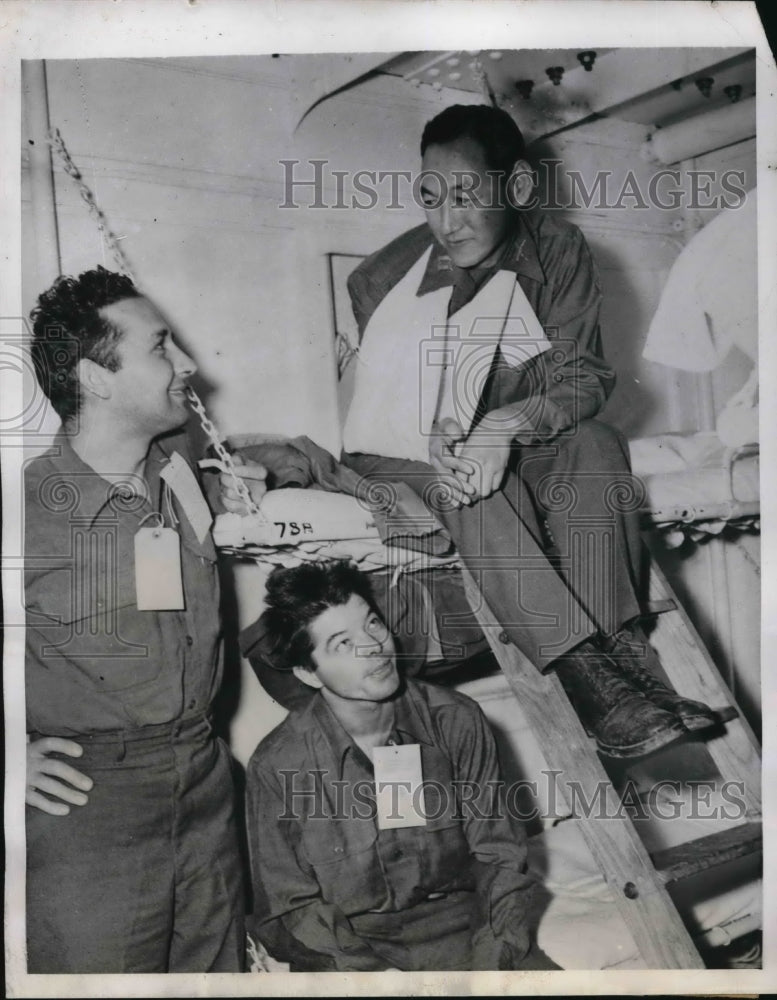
702 133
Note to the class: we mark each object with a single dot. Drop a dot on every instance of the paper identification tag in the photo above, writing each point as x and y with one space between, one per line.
158 578
182 481
399 792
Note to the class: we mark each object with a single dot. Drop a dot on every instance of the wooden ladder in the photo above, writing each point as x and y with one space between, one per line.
638 880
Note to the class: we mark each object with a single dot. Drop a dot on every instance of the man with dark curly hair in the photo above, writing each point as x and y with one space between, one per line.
347 874
132 856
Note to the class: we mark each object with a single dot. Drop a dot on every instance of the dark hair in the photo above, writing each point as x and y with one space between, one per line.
67 327
296 597
493 129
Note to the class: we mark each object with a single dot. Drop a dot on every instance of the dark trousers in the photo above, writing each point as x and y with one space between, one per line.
145 877
556 551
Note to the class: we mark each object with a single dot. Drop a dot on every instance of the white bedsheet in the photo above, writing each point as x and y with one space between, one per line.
581 927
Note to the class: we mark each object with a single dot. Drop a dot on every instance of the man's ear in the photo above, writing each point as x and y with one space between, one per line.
520 184
94 378
307 676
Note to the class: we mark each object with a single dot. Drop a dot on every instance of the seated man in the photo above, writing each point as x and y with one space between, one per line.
342 879
480 372
132 857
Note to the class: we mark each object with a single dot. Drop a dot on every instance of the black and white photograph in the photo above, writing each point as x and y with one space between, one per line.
382 497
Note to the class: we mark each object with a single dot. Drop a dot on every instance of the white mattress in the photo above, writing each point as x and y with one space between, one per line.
693 477
581 927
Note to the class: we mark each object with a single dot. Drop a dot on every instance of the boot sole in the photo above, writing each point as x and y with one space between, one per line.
714 719
695 723
657 742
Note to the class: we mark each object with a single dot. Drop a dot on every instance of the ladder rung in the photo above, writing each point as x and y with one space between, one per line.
675 863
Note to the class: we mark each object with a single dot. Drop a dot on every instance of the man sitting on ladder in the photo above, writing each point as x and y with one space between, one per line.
481 368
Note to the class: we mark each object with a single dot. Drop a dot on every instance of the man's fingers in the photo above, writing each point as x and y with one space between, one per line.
450 430
459 464
55 777
454 492
254 476
483 479
249 470
43 783
236 505
39 801
57 744
256 488
59 769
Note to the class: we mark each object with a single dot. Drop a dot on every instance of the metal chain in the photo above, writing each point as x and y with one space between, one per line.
57 144
224 457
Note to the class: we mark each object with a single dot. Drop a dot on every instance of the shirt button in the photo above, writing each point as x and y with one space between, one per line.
192 703
189 640
504 638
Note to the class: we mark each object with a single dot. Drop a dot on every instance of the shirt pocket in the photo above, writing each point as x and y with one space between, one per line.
344 857
84 632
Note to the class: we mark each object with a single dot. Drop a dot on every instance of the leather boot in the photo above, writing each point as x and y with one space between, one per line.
620 718
636 659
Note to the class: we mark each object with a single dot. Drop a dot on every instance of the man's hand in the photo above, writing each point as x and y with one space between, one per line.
55 777
487 453
253 475
454 471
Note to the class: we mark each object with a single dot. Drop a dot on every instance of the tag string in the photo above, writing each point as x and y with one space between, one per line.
168 501
154 513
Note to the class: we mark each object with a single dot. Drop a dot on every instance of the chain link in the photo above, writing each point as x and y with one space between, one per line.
224 457
57 144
